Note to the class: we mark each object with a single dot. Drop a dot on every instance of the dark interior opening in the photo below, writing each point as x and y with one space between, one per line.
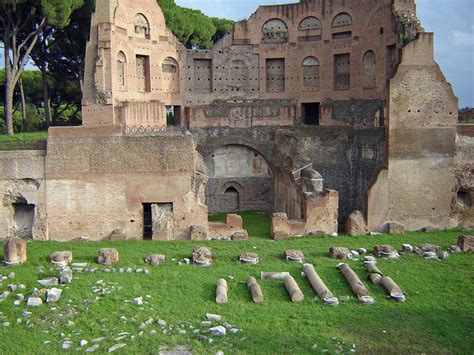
464 198
173 116
23 219
311 113
147 222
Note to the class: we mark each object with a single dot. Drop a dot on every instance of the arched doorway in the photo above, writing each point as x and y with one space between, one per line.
240 179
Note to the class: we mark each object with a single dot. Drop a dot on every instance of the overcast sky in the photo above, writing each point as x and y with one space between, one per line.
452 21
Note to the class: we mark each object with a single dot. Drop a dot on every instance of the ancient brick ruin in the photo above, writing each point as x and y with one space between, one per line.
310 111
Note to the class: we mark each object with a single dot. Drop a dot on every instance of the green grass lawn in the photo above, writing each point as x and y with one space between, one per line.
438 316
24 141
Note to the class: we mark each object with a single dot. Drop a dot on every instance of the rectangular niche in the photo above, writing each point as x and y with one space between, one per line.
275 74
203 76
143 73
342 71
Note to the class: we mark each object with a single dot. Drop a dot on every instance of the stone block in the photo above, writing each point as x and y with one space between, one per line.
240 236
340 253
385 251
234 220
108 256
61 257
427 248
202 256
155 259
355 224
249 258
198 233
395 228
466 243
14 251
294 255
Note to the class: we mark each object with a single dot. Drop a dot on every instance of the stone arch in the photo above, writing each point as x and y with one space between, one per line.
310 23
369 68
243 169
310 72
121 69
170 70
141 26
275 31
342 19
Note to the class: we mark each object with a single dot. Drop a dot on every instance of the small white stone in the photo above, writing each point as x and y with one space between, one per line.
116 347
83 342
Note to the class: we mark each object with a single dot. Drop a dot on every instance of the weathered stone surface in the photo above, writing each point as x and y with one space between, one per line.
255 290
53 295
155 259
356 224
202 256
396 228
14 251
108 256
217 331
249 258
65 276
427 248
240 236
407 248
340 253
466 243
198 233
293 289
221 291
50 281
384 251
292 255
61 257
34 301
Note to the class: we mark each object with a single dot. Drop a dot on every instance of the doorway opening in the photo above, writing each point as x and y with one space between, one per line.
310 113
231 199
173 116
147 222
23 219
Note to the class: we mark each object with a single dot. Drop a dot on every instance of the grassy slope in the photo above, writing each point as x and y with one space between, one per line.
24 141
437 317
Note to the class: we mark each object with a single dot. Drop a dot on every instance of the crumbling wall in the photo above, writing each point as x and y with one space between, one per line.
463 205
22 188
421 143
346 158
98 185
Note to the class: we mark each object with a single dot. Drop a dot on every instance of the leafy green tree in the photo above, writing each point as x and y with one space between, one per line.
192 27
15 17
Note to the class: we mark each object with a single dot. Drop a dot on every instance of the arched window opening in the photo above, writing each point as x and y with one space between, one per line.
275 31
142 26
311 72
121 64
231 201
343 19
170 69
170 65
369 69
309 23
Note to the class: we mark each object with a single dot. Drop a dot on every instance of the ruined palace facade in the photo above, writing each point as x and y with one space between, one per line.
310 111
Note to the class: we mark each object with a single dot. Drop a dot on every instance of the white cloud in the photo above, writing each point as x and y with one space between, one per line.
462 38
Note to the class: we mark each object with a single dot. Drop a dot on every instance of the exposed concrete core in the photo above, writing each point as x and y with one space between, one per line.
255 290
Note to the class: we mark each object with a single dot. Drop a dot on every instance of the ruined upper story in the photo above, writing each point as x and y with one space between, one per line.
284 63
